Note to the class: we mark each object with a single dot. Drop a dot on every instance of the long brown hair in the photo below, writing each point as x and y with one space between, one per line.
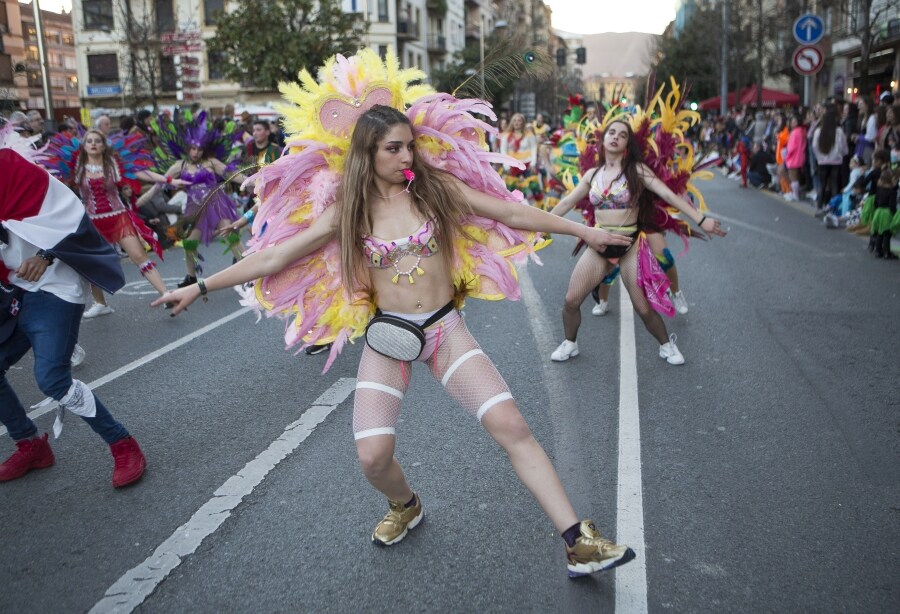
641 198
434 195
110 168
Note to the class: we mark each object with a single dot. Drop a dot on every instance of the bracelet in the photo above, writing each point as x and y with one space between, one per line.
201 283
168 178
249 215
702 219
45 255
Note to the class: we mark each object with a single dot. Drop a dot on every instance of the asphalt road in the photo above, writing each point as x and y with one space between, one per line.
768 474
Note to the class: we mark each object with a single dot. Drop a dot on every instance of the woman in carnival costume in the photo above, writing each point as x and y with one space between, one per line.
374 157
97 166
204 158
623 188
520 143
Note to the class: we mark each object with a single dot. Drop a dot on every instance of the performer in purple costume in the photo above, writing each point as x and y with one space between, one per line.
204 158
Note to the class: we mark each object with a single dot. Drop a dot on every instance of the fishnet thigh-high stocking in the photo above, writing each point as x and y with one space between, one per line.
589 271
381 383
652 320
466 372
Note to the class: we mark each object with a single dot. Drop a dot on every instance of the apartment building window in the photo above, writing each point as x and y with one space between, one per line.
31 54
30 33
168 75
103 68
68 39
383 11
98 14
215 60
58 82
212 9
69 62
4 19
165 16
6 69
51 37
34 78
382 51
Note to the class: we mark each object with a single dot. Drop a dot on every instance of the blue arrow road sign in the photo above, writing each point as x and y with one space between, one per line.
808 29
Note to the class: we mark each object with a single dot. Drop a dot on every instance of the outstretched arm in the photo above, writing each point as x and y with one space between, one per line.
574 197
655 185
259 264
220 169
526 217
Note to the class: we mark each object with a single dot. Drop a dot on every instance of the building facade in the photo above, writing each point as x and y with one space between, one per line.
424 33
13 78
59 42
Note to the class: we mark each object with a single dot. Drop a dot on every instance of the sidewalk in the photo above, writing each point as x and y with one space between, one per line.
805 206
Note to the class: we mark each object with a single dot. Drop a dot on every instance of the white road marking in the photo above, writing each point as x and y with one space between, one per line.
631 579
129 591
48 405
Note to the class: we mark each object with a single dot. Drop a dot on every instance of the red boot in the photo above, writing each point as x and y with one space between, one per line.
30 454
130 462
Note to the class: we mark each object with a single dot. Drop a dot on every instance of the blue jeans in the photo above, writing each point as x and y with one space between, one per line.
49 326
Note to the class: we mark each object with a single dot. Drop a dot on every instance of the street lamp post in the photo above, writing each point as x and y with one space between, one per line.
45 66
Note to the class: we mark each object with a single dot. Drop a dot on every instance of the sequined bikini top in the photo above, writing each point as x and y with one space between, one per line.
382 254
616 196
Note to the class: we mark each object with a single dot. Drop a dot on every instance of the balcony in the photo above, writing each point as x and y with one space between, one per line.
473 31
437 7
407 30
437 43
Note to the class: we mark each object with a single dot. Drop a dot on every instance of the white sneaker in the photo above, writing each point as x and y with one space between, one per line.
566 350
680 302
670 352
77 355
601 308
96 310
789 197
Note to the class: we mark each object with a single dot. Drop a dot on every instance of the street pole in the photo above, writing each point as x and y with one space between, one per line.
723 86
45 66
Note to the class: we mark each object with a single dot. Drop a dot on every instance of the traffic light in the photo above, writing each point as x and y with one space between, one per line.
580 55
560 57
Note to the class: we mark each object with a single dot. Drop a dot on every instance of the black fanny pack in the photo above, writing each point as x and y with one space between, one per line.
398 338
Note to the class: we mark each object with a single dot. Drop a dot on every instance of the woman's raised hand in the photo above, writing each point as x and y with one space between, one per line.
180 299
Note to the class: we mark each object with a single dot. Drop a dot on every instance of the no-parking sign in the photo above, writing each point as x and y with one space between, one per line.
808 59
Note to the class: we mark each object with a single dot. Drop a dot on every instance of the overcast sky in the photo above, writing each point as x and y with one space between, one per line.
596 16
575 16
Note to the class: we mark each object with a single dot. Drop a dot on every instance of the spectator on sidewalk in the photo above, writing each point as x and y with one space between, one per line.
761 159
829 147
866 131
795 156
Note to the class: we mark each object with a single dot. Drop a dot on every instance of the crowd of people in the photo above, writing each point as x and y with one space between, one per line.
842 157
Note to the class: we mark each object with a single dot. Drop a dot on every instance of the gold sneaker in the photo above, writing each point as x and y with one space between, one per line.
397 523
592 552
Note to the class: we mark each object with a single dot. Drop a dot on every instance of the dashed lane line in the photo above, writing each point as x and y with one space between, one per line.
47 405
130 591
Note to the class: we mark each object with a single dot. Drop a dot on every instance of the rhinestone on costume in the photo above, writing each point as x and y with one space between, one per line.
334 114
356 102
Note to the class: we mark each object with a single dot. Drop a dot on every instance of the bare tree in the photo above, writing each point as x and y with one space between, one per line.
863 19
142 46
